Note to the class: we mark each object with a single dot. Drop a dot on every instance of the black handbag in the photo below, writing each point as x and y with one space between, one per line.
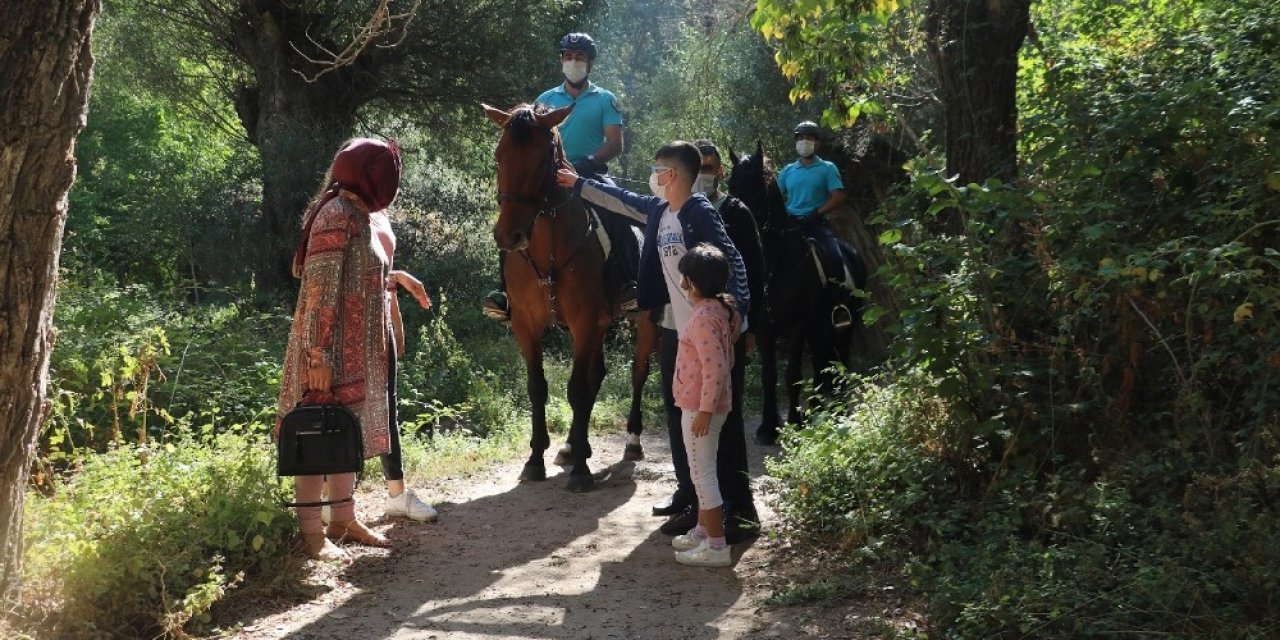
320 439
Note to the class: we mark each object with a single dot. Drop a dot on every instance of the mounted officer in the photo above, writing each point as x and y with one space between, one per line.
592 136
813 190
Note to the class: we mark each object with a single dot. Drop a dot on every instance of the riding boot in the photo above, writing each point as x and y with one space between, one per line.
624 258
495 304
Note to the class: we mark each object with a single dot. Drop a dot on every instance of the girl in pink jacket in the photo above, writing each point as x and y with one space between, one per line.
702 391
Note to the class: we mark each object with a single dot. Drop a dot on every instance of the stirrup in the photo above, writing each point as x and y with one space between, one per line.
841 318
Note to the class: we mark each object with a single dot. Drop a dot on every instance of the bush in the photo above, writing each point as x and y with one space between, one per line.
145 538
869 478
131 366
1079 433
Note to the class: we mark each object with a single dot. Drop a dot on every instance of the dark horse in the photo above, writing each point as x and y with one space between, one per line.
556 276
800 293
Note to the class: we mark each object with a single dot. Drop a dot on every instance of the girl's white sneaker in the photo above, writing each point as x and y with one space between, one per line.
686 541
704 556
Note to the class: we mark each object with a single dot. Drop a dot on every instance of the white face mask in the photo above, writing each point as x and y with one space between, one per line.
806 147
686 289
658 190
574 70
705 184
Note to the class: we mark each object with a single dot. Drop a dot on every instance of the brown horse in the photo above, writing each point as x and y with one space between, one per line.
555 276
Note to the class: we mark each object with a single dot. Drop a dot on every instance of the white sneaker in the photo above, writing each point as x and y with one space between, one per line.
410 506
686 541
704 556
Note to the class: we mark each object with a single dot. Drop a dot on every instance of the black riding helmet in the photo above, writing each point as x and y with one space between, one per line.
807 127
579 42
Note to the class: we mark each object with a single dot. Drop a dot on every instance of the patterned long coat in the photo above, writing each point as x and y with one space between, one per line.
343 319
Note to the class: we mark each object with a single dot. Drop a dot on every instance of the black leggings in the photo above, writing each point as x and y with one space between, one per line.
392 465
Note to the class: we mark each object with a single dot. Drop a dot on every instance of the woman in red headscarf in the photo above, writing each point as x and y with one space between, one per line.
346 329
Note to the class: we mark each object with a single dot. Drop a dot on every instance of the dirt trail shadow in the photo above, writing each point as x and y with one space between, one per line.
532 560
505 542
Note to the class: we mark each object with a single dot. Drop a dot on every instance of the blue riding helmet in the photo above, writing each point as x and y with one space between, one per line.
808 126
579 42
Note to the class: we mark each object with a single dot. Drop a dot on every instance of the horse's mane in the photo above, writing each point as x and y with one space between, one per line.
757 165
523 121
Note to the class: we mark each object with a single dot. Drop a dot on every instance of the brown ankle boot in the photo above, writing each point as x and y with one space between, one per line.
356 531
318 547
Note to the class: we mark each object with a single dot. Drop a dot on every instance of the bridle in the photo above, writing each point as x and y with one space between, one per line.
543 200
546 209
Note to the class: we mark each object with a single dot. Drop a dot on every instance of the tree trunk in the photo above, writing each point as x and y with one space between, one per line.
45 71
297 126
974 46
296 146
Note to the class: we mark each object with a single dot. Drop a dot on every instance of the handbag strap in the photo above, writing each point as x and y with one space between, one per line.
320 398
321 503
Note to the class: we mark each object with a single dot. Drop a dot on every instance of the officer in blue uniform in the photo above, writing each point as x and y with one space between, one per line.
813 189
592 136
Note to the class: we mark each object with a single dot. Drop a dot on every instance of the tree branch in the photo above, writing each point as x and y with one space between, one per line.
381 23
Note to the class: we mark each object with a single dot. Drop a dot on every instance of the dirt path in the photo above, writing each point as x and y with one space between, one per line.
510 560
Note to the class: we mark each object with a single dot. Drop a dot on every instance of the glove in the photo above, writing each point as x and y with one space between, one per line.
588 167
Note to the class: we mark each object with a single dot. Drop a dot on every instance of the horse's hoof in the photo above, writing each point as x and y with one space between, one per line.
767 438
564 457
633 453
532 473
580 483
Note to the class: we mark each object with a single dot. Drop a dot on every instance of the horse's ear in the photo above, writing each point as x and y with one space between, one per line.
733 157
498 116
759 149
552 119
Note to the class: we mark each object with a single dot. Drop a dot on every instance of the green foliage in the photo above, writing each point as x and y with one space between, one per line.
684 73
161 199
847 52
1095 356
860 480
447 386
130 367
144 539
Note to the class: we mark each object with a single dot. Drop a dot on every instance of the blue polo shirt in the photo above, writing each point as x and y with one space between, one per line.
807 188
583 131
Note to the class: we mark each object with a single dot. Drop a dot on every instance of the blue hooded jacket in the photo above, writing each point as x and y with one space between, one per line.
699 222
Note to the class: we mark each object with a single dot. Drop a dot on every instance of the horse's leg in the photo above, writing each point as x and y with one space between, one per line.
795 362
767 345
646 345
531 347
584 386
826 358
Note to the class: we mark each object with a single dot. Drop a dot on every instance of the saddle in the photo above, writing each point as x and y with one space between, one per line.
834 260
831 256
620 241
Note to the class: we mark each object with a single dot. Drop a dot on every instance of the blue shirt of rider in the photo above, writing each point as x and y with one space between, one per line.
808 187
593 110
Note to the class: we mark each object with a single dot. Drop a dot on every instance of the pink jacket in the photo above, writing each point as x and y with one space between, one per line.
705 358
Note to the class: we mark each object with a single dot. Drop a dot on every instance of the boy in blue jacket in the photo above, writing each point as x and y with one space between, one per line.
675 220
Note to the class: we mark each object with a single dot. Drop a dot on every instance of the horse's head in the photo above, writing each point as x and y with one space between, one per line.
529 153
749 181
752 182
